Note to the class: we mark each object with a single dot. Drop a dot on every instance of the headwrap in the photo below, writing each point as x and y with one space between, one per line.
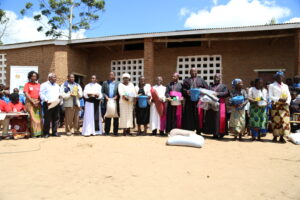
126 75
236 81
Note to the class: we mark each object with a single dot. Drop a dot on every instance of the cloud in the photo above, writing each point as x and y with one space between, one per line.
237 13
293 20
24 29
215 2
184 11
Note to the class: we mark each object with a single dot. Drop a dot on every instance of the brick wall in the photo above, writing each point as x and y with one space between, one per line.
297 51
239 58
99 59
42 56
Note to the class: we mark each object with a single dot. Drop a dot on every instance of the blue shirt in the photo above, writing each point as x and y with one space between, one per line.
111 89
22 98
6 99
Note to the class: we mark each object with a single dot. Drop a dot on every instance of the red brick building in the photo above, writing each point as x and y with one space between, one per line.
244 52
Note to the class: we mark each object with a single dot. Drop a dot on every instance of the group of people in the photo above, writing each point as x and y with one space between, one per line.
158 108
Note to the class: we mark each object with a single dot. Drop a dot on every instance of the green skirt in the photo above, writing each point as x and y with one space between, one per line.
258 116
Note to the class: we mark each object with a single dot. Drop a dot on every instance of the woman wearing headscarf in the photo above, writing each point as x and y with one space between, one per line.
215 121
127 94
237 122
142 114
258 113
280 96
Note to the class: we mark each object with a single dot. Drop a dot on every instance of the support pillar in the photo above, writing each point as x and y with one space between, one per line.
149 60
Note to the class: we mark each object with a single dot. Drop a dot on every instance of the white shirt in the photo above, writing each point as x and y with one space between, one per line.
92 88
161 91
254 93
276 91
49 92
147 89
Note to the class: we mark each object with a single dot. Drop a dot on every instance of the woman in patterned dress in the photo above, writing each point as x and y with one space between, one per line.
280 96
258 114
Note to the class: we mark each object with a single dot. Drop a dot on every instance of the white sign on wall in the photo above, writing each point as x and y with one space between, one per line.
18 76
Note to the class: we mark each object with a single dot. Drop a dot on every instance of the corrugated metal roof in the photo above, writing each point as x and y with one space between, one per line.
157 34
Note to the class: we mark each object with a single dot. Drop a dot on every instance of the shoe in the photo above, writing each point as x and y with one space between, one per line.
55 135
69 134
282 140
274 139
116 134
46 135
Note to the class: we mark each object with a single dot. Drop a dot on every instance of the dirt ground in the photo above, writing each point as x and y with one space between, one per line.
106 167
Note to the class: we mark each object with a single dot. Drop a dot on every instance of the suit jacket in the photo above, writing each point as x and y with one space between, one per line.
105 92
105 89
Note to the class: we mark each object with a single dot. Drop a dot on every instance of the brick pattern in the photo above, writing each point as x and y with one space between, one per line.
3 68
239 58
297 52
149 60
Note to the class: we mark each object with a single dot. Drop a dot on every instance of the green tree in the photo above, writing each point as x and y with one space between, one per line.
272 21
65 14
3 24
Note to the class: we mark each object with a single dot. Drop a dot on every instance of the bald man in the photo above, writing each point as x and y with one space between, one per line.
174 113
192 115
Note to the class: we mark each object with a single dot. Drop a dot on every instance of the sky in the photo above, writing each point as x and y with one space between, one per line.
142 16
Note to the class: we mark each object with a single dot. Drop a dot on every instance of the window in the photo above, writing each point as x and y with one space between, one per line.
3 69
134 67
207 66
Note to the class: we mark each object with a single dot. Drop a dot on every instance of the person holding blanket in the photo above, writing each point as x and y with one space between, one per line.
92 123
257 96
193 114
142 114
280 96
157 121
216 121
33 104
127 94
110 93
237 122
174 112
71 92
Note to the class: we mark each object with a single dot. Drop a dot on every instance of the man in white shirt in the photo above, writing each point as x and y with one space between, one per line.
71 92
50 97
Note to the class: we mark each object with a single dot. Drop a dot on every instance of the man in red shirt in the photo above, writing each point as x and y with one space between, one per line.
4 121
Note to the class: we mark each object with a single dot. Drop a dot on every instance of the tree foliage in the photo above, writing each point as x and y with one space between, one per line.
272 21
3 24
65 14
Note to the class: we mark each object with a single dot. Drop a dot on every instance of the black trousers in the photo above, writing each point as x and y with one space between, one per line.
51 116
108 123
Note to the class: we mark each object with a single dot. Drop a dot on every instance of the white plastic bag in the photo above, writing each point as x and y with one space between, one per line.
190 140
295 138
111 109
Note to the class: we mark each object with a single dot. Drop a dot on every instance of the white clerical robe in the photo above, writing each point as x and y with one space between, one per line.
88 127
154 116
126 107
